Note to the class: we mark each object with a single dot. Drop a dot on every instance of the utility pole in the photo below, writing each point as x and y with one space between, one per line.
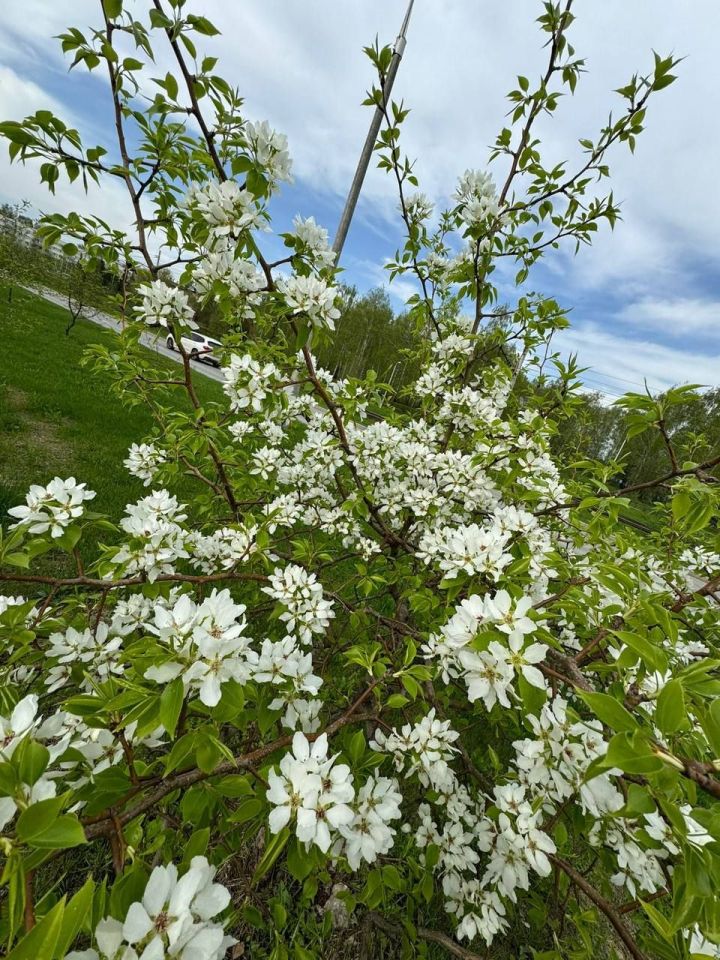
370 140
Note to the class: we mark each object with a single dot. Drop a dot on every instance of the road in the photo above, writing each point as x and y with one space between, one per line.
153 341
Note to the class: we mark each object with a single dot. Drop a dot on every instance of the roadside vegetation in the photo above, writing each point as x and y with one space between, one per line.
56 417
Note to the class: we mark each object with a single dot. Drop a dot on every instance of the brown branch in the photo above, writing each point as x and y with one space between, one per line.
633 905
434 936
195 106
537 106
604 905
584 654
106 826
29 901
633 488
702 774
98 584
226 487
574 582
388 535
707 590
662 427
124 154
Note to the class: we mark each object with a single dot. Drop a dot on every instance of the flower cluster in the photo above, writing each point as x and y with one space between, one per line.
489 673
312 297
93 652
247 382
270 151
174 918
306 611
312 790
165 306
206 645
476 195
52 508
225 209
223 549
469 549
424 749
143 461
312 240
317 795
156 539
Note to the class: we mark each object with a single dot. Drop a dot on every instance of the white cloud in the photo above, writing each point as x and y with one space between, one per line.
618 364
675 318
20 97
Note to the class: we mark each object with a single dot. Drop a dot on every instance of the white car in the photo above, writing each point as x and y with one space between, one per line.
198 347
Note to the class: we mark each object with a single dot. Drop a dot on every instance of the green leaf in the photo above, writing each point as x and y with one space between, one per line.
609 711
299 862
112 8
181 752
710 724
279 914
426 886
631 756
670 712
657 919
391 877
234 786
76 914
160 20
65 832
396 700
38 817
638 802
302 954
30 760
665 81
207 754
652 655
8 780
356 747
41 942
202 25
681 504
248 809
171 85
171 702
272 852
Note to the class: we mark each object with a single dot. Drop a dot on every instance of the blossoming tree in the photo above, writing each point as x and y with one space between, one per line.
390 667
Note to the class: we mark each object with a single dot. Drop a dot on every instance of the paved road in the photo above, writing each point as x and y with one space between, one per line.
153 341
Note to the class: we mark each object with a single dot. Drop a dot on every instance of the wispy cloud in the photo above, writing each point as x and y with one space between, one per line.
620 363
677 318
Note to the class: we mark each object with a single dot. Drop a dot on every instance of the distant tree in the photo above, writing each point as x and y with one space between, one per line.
371 337
15 253
85 288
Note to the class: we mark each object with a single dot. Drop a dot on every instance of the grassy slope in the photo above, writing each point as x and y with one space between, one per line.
56 418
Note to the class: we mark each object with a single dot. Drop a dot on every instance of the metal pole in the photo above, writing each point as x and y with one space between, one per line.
370 140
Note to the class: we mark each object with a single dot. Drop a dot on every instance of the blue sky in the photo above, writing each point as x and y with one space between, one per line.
645 301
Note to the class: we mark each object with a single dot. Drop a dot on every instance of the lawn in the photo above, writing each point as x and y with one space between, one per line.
56 417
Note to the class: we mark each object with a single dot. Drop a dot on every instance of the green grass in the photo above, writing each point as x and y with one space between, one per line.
56 417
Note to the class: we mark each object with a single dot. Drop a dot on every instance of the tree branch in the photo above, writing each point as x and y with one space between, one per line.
604 905
434 936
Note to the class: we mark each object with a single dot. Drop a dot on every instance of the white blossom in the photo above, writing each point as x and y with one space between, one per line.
163 305
143 461
175 918
311 296
52 508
